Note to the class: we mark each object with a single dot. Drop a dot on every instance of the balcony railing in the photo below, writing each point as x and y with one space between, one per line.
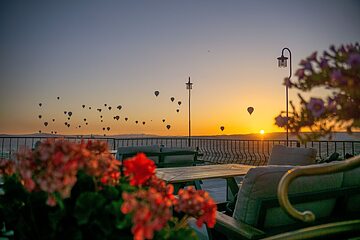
252 152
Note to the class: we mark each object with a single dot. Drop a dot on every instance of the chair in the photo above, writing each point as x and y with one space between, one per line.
152 152
332 197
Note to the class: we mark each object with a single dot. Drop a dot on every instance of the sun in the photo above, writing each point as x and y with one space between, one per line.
262 132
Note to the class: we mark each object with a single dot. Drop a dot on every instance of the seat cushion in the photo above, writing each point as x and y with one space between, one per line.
352 178
282 155
133 150
261 183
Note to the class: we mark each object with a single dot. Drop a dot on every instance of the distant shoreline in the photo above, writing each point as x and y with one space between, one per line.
337 136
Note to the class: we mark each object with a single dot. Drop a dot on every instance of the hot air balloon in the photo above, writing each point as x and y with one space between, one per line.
168 126
52 132
222 128
119 107
83 106
68 118
40 104
46 123
69 113
105 104
86 123
108 128
53 119
136 122
79 126
55 132
117 117
143 123
172 99
39 131
68 124
101 116
156 93
99 109
101 121
109 108
103 129
90 108
163 120
250 110
58 98
126 119
39 116
84 119
65 112
177 110
179 102
65 123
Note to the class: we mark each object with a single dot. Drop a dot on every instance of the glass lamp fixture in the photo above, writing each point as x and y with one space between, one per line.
282 61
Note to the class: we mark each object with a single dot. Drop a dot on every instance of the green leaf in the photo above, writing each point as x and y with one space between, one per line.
110 193
87 204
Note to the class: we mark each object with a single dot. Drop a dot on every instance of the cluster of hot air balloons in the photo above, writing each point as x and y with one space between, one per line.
116 117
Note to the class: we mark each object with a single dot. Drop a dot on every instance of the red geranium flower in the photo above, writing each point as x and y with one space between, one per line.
139 169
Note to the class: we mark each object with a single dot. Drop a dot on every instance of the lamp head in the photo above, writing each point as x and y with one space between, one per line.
189 84
282 61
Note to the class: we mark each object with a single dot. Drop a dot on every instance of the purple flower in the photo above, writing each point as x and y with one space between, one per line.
354 59
331 105
312 56
287 82
337 77
281 121
308 66
303 62
324 63
316 106
300 73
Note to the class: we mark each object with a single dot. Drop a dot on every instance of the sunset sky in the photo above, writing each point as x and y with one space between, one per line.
120 52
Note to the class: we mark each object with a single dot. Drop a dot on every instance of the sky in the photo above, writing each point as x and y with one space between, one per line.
119 52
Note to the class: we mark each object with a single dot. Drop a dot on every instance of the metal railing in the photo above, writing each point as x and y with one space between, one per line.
214 150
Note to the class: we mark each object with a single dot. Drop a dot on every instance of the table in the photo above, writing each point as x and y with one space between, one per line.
181 176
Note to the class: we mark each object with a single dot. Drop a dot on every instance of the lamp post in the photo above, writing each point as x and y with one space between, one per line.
189 87
282 61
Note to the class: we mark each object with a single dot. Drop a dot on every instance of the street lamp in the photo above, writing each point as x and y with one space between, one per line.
189 87
283 63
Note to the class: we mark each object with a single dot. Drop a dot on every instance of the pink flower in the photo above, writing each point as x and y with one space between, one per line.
198 204
316 107
281 121
7 167
149 210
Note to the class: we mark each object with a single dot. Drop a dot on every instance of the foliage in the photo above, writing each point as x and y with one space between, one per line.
63 190
337 70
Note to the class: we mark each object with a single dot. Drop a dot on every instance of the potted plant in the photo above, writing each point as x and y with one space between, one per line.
336 70
65 190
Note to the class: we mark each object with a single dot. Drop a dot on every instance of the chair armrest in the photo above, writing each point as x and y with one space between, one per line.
235 229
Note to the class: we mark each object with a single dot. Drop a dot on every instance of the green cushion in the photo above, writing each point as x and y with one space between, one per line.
352 178
261 183
282 155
